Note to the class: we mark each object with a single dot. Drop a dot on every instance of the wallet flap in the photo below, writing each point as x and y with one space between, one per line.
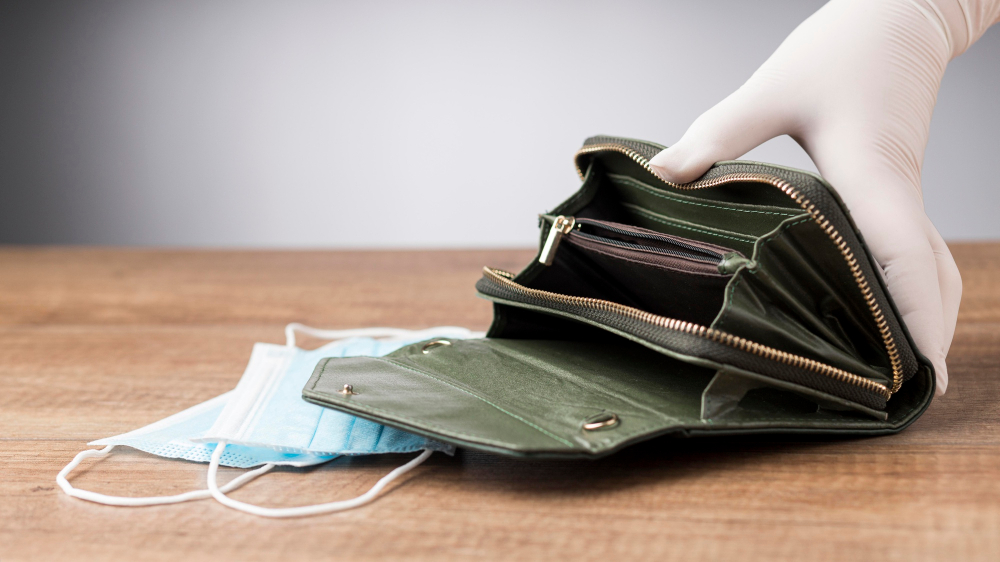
555 398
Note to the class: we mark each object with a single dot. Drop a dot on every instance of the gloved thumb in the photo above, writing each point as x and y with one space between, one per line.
737 124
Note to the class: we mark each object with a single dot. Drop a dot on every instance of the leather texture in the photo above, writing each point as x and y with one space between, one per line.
551 366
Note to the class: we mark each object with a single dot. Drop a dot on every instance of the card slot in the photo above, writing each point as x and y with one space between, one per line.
694 214
645 218
698 206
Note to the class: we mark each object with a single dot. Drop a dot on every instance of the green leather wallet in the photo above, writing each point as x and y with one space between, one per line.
743 302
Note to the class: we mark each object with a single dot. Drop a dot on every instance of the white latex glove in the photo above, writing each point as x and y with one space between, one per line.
855 85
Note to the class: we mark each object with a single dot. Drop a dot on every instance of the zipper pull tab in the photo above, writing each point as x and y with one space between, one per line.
560 226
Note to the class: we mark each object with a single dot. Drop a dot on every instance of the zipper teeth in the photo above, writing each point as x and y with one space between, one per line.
506 279
702 253
681 252
797 196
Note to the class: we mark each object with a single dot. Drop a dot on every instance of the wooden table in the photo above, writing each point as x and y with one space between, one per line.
95 342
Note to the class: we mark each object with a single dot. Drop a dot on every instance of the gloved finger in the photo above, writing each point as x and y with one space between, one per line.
950 280
742 121
904 250
886 207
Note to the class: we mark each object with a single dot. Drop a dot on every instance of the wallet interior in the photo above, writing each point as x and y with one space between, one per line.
552 380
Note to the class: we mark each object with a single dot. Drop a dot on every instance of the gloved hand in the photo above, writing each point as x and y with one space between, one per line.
855 86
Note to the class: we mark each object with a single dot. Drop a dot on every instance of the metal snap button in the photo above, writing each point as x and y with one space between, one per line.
601 421
432 344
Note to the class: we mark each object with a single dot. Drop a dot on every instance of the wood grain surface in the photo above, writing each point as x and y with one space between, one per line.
95 342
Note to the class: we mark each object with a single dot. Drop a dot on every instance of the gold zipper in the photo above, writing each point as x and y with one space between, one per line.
506 279
796 195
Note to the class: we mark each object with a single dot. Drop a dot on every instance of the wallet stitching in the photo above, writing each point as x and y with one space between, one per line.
653 217
652 191
515 416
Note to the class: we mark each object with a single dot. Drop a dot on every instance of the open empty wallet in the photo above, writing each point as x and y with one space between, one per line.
743 302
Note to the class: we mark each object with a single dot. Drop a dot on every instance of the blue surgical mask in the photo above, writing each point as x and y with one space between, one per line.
264 422
266 410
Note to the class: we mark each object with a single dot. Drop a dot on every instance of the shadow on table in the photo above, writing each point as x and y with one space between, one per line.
655 461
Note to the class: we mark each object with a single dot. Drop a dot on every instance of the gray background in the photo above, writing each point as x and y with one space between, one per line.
387 124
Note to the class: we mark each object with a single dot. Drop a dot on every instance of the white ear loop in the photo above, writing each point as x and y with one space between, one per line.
390 333
219 493
142 501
